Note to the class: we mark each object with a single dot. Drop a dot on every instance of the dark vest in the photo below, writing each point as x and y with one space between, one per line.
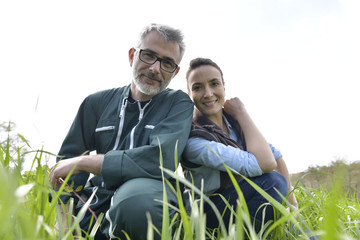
205 128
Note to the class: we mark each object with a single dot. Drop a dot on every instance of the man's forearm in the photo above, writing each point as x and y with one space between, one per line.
282 168
91 164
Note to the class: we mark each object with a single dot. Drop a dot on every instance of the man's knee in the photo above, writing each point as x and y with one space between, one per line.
130 204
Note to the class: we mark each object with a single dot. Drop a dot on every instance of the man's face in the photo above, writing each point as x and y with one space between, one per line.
150 80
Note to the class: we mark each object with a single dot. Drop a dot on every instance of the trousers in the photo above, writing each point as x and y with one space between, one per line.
125 209
268 182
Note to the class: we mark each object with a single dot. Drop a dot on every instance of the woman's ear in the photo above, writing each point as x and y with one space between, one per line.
188 88
131 56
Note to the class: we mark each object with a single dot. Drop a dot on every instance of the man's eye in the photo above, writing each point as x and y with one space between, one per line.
168 64
148 55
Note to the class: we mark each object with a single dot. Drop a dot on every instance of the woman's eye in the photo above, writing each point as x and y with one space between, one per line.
196 88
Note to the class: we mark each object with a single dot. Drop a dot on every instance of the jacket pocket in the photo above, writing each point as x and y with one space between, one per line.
106 128
103 137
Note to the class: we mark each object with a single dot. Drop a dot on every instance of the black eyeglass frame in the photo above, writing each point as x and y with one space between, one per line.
157 59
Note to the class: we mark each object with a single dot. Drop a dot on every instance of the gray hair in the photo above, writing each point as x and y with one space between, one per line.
169 34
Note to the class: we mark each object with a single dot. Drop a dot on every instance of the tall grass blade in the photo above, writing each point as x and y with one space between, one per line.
331 213
165 221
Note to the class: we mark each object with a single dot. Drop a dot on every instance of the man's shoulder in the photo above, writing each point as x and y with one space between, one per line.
109 93
171 93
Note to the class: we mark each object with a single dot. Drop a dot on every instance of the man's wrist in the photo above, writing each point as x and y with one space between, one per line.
80 166
91 163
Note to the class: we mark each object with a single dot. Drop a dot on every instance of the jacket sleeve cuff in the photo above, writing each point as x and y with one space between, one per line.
111 169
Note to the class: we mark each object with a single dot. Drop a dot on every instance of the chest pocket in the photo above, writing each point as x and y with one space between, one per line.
103 137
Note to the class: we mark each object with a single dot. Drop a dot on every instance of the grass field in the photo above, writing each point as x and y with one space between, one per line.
26 212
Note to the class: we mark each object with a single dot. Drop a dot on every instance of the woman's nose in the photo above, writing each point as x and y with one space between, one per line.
208 92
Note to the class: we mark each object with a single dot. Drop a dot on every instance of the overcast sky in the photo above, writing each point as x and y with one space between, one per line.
295 64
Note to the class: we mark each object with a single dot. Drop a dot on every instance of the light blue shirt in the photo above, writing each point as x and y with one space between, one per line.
201 151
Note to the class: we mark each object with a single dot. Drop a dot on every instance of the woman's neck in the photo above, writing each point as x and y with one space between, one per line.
219 121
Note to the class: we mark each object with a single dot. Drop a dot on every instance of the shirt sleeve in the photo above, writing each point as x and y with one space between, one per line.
213 154
277 154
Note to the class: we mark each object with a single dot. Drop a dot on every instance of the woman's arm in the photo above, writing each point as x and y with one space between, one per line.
282 168
214 154
255 141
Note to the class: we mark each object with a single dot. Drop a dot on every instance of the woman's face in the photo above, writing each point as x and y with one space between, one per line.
207 90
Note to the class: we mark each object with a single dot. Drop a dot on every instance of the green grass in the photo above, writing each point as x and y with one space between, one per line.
27 213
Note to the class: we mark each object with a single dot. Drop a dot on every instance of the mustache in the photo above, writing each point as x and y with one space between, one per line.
150 75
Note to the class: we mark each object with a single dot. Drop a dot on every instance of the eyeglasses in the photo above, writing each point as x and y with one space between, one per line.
150 58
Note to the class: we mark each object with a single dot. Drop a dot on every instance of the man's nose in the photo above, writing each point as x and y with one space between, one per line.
155 67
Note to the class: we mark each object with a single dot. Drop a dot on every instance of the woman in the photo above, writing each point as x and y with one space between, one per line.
226 128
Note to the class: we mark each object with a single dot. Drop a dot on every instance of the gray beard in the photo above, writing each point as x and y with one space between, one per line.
147 90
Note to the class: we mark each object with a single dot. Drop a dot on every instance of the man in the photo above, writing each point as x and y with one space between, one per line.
125 126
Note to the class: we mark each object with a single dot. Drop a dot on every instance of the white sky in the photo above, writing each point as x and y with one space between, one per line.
294 63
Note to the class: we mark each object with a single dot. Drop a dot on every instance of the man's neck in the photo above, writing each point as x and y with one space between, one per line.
143 103
137 95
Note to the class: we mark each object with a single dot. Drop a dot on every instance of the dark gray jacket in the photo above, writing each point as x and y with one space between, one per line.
128 134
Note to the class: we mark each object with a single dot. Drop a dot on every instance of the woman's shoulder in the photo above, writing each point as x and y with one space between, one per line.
204 131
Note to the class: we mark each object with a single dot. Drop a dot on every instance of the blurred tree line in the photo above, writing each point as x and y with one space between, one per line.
322 177
13 145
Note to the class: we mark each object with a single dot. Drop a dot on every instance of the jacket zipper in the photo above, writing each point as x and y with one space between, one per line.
141 114
121 124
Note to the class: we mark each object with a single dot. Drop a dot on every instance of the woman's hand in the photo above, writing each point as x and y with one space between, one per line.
292 198
234 106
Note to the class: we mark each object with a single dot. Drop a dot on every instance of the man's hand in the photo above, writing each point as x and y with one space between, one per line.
62 169
86 163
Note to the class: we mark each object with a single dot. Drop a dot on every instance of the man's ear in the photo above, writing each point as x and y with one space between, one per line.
177 70
131 56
